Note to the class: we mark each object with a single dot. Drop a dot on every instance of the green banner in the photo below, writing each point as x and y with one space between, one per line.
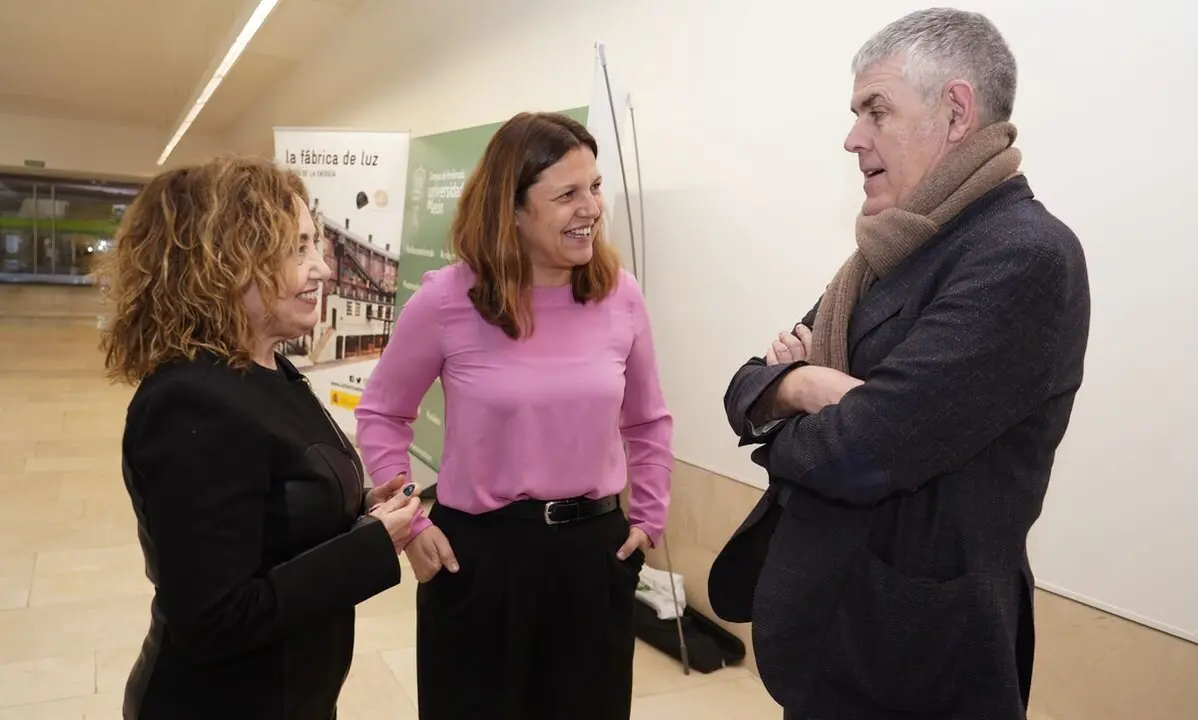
438 166
98 228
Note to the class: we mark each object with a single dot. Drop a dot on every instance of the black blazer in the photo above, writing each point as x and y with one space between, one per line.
249 504
885 569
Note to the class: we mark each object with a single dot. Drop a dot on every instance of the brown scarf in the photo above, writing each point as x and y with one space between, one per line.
884 240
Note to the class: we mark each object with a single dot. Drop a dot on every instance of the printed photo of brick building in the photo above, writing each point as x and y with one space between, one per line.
357 304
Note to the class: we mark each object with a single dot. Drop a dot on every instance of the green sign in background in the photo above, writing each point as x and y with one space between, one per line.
438 166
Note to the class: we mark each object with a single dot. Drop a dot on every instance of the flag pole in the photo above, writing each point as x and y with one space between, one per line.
611 102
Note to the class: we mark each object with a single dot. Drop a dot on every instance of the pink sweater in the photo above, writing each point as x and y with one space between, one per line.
540 418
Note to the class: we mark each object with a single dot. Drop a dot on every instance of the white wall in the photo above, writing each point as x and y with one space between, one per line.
99 148
750 200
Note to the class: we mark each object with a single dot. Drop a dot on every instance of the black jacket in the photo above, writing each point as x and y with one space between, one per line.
249 503
885 571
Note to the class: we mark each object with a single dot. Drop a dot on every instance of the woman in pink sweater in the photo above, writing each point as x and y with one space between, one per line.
528 568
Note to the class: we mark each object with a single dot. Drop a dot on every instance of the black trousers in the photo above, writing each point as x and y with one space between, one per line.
536 624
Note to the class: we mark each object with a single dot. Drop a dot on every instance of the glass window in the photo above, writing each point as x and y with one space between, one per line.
53 228
18 224
85 219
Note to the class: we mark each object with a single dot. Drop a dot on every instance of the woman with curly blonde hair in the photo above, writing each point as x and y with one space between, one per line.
258 535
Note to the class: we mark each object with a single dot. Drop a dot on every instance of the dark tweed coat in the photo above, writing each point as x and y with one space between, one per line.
885 571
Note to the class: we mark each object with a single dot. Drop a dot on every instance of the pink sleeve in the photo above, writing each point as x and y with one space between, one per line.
647 427
420 523
411 361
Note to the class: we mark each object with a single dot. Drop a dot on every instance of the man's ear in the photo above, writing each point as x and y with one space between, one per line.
962 108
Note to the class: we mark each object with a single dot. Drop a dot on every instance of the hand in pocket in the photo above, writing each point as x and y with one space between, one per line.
429 552
637 540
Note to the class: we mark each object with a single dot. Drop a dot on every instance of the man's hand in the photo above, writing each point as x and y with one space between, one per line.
811 388
793 346
637 539
429 552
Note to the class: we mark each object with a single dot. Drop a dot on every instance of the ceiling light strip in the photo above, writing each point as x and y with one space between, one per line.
252 26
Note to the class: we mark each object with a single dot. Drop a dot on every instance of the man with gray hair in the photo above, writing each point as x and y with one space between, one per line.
909 422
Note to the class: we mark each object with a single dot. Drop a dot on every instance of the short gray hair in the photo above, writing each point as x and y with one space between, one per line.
942 44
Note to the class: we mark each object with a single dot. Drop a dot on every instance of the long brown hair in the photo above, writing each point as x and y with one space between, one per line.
188 248
484 229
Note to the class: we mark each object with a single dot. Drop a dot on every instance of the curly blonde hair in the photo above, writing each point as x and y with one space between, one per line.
189 247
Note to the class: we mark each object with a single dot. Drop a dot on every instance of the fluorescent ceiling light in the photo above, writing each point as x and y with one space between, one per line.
252 26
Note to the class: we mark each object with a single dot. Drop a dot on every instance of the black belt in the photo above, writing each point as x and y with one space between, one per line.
558 512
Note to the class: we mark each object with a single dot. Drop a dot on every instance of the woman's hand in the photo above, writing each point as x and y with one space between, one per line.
793 346
396 514
429 552
380 494
637 540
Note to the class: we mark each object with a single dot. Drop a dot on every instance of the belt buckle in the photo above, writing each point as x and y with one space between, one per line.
549 512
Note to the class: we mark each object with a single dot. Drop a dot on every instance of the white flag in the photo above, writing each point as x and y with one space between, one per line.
602 126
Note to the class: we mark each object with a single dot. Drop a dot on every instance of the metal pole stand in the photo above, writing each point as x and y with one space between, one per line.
638 273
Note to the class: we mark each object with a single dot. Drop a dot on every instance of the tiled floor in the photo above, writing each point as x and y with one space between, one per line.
73 596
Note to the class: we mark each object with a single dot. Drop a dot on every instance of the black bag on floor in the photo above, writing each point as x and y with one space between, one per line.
709 647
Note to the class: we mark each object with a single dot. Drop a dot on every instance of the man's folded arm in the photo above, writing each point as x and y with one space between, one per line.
978 361
751 403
